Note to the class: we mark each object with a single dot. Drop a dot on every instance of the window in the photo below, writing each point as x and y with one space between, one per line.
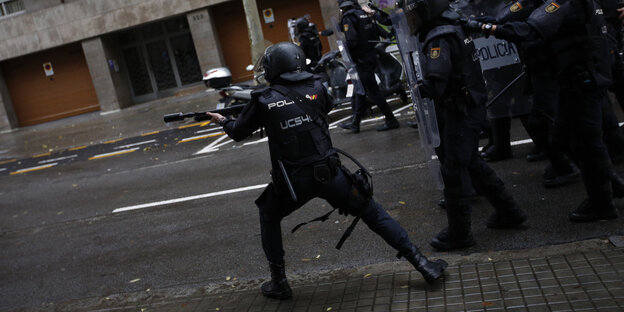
10 7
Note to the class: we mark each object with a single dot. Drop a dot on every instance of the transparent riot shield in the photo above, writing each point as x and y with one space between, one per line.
358 88
424 108
500 62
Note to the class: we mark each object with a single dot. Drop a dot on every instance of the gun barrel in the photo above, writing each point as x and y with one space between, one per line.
201 116
174 117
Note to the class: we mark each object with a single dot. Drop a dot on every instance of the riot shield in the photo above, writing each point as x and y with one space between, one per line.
500 62
358 88
424 108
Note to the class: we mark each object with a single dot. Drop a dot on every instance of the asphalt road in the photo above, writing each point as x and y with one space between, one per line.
178 212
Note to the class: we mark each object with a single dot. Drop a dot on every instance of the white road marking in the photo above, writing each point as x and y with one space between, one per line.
334 124
213 146
3 169
189 198
135 144
215 129
265 139
57 159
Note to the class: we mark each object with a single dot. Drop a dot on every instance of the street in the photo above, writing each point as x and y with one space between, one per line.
175 210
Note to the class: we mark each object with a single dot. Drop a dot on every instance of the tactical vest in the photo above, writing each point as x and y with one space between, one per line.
294 137
577 32
365 29
466 75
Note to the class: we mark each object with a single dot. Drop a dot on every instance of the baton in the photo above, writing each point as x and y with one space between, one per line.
287 180
496 97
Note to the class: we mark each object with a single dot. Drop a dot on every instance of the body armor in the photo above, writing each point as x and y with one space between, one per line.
294 138
466 76
578 34
365 29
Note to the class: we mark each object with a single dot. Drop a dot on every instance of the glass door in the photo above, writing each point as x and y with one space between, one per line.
160 64
159 58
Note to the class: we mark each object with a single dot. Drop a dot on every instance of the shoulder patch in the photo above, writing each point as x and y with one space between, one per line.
552 7
517 7
435 53
345 27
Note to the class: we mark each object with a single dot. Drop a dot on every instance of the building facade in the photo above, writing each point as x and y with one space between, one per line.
60 58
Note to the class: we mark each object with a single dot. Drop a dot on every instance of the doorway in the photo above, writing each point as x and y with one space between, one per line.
160 58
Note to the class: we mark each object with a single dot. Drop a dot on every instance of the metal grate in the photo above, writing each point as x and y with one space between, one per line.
139 78
186 59
11 7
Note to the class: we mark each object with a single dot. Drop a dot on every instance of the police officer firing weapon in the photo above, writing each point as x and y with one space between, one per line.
362 36
576 32
452 78
293 110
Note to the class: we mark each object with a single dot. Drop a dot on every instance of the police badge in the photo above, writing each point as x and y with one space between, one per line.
516 7
435 53
551 8
345 27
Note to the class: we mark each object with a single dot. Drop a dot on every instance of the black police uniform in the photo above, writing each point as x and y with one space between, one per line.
314 170
614 25
454 80
309 41
359 31
578 50
544 95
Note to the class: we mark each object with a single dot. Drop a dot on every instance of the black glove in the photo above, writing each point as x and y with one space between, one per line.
474 25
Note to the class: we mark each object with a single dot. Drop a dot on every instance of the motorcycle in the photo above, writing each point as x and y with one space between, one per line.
389 72
334 74
231 94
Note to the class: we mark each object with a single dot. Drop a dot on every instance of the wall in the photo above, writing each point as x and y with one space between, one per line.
75 21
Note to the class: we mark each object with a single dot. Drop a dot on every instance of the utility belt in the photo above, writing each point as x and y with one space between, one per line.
361 184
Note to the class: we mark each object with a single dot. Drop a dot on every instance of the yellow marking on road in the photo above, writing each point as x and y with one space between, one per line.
77 148
42 155
33 169
113 153
203 124
7 161
150 133
200 137
112 141
190 125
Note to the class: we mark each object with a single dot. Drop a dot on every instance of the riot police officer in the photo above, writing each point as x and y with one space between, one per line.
361 35
305 165
544 95
453 79
576 32
309 41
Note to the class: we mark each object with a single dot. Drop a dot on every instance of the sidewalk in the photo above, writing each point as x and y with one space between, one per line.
580 276
97 127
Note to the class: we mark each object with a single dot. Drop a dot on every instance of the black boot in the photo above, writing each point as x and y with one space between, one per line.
506 213
430 270
392 123
617 184
277 287
354 125
501 149
588 212
506 218
458 234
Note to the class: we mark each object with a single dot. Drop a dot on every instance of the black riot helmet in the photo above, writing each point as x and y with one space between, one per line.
420 13
345 3
301 24
284 60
